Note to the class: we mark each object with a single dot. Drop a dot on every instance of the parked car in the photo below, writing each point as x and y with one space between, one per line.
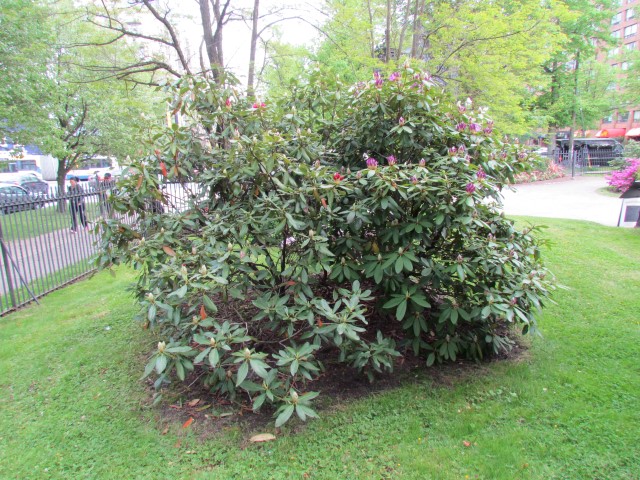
27 180
14 198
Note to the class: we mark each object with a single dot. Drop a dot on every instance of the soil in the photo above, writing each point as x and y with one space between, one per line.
339 384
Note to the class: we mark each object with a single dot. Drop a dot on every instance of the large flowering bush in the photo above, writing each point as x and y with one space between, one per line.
621 180
353 224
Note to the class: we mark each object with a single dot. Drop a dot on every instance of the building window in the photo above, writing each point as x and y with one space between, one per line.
636 116
614 52
630 30
608 119
614 65
617 18
623 116
615 34
630 13
630 46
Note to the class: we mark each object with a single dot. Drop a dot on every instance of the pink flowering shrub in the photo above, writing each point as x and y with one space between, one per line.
621 180
297 242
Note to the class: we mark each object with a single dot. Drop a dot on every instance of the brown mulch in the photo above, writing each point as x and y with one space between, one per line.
191 406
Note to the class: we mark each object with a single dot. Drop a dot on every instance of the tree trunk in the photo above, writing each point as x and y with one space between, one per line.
417 29
212 40
61 178
405 22
387 34
252 53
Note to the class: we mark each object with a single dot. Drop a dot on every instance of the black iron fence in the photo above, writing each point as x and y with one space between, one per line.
585 162
48 240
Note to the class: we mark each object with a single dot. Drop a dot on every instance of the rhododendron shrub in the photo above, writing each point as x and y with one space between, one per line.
343 224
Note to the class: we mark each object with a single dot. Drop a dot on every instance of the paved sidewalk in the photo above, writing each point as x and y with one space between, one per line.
576 198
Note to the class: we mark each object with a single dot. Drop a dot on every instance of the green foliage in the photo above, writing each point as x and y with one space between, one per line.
291 245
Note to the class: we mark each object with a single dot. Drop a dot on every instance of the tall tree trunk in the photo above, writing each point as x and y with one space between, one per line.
252 53
387 34
212 39
417 29
405 22
372 42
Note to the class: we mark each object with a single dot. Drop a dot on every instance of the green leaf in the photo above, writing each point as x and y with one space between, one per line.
259 367
399 266
284 416
420 300
180 370
402 309
209 305
161 363
394 301
214 357
242 373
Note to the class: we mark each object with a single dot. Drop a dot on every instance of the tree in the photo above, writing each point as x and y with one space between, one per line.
490 51
75 114
571 94
24 50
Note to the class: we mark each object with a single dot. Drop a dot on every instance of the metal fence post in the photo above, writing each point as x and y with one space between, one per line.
7 269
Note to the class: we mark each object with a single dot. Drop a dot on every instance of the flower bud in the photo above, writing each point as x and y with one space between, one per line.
161 346
203 270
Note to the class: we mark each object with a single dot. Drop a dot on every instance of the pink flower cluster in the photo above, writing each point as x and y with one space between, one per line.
622 180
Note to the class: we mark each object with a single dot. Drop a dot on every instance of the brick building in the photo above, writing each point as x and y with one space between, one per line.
625 31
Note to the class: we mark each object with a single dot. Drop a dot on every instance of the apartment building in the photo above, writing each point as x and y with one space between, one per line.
624 29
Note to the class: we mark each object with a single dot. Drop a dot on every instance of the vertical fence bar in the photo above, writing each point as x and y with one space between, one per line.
7 269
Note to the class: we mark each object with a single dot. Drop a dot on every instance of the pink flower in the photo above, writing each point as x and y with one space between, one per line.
414 179
372 163
461 127
475 128
422 162
378 79
453 151
481 175
488 130
391 160
228 103
258 105
401 121
470 188
394 77
337 177
622 180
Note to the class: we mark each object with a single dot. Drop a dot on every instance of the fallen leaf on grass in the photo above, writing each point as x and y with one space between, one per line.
193 403
466 443
187 423
165 431
263 437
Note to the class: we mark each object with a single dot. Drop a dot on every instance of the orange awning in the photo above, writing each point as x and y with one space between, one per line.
634 132
589 133
611 132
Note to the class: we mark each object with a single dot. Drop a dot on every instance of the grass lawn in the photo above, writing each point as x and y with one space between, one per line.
31 223
73 407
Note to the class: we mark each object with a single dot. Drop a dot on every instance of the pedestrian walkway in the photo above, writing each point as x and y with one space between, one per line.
576 198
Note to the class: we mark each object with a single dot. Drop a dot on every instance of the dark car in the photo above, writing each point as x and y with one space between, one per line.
27 180
14 198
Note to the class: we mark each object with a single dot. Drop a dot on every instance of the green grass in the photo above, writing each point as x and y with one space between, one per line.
73 407
31 223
